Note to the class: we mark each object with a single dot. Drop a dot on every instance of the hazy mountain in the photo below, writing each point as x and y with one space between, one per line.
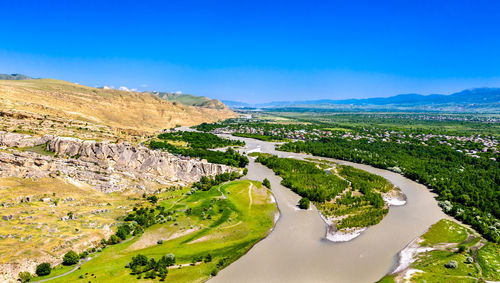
235 104
478 99
14 77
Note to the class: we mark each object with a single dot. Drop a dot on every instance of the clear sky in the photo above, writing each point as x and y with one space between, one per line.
257 51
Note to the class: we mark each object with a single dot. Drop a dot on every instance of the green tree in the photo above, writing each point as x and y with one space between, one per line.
113 240
304 203
70 258
25 276
43 269
208 258
153 199
266 183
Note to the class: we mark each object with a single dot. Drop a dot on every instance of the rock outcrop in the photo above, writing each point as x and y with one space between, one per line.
21 140
106 166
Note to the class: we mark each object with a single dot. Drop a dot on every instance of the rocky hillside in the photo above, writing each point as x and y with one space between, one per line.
105 166
114 108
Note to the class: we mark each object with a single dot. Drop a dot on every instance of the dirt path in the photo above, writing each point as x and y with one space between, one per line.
66 273
250 194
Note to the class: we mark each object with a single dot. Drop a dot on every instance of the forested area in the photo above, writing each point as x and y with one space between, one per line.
199 145
305 178
200 140
469 185
356 200
267 138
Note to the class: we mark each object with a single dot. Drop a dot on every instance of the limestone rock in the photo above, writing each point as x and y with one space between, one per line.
106 166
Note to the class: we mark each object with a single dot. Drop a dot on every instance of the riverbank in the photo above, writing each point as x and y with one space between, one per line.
205 230
447 251
334 235
349 200
300 234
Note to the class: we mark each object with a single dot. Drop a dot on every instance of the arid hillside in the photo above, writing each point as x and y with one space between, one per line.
114 108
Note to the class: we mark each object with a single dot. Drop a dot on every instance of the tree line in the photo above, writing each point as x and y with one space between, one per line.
471 185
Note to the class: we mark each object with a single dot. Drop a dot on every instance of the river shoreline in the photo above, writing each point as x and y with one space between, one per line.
297 249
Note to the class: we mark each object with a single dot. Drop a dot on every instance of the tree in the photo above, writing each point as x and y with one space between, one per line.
43 269
113 240
25 276
304 203
170 259
266 183
208 258
153 199
70 258
123 231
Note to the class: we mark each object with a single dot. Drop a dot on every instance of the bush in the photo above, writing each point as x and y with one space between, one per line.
266 183
451 264
208 258
461 248
304 203
153 199
113 240
214 272
469 260
25 276
43 269
70 258
170 259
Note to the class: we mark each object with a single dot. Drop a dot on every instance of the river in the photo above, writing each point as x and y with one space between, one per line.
297 251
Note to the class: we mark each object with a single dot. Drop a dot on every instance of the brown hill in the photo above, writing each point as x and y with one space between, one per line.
114 108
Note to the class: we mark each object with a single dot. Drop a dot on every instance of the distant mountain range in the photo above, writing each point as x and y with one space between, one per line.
475 100
16 77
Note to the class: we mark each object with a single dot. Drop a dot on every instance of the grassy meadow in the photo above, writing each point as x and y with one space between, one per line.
225 222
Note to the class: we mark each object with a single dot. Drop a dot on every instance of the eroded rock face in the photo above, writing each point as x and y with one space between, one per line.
106 166
21 140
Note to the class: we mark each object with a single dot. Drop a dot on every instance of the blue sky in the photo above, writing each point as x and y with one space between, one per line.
257 51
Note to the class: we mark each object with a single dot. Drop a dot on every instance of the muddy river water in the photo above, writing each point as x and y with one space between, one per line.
297 250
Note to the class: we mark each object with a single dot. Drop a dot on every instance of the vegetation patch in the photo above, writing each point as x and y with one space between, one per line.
201 145
454 254
221 223
350 197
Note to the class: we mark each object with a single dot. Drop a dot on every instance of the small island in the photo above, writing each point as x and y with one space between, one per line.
348 199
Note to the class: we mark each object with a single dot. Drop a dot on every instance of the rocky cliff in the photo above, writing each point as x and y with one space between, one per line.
107 166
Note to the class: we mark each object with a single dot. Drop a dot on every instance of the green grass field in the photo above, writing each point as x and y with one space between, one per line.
478 260
225 221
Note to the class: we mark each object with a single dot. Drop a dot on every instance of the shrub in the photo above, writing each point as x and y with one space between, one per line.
170 259
469 260
266 183
461 248
43 269
153 199
304 203
70 258
208 258
214 272
113 240
25 276
451 264
83 254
